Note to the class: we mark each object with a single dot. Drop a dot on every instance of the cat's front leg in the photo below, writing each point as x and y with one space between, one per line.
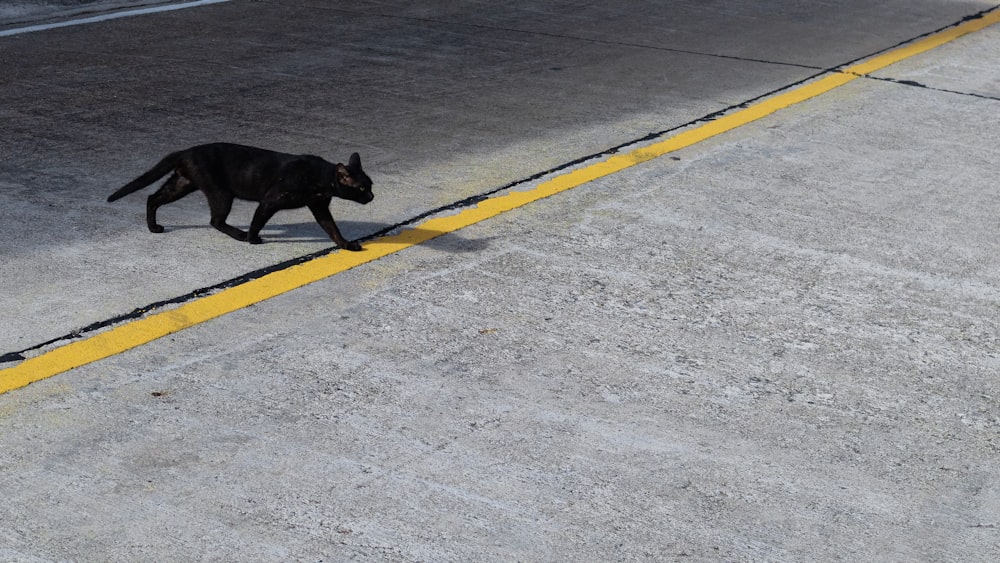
321 212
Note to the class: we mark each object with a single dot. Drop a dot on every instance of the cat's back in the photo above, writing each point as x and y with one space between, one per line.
235 151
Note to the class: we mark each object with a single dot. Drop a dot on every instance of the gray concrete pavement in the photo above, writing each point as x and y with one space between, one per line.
441 104
780 347
15 13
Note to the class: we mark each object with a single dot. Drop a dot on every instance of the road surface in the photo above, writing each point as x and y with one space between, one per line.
778 343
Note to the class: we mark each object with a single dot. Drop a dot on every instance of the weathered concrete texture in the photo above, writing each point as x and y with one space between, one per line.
956 67
20 13
780 344
442 100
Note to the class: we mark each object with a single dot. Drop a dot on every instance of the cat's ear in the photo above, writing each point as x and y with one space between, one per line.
355 162
343 175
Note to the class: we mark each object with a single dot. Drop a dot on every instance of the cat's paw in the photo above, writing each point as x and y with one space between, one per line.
352 246
254 240
156 228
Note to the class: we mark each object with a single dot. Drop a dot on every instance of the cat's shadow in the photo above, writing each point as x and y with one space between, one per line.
278 233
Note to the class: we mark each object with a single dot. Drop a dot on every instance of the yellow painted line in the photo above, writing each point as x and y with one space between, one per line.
147 329
925 44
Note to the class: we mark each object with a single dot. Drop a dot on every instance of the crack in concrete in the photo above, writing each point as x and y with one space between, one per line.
549 34
916 84
819 69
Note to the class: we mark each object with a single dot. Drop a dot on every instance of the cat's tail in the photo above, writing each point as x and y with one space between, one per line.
168 163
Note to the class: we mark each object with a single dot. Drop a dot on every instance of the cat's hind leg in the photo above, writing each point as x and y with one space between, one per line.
260 218
220 205
173 189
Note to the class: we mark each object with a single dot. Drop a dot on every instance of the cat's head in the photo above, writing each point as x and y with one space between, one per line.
352 181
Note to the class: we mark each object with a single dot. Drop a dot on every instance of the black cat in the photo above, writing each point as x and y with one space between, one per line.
225 171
